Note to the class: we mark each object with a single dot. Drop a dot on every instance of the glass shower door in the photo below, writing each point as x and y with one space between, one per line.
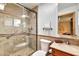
17 35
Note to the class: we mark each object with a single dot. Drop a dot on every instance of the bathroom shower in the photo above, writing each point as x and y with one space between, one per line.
17 33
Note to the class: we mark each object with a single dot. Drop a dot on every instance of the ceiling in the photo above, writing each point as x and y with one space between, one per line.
30 5
62 6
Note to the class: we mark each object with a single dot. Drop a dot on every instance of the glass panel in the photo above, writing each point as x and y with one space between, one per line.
8 22
17 34
17 23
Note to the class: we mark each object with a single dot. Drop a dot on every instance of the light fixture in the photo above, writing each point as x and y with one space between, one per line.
25 14
2 6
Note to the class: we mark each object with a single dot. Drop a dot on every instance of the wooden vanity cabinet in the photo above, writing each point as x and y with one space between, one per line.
56 52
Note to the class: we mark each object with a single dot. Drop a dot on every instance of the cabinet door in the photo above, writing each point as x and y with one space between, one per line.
56 52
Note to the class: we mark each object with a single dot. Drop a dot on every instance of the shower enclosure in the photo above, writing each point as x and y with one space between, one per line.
18 34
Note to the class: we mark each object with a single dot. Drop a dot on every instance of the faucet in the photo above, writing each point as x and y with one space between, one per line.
66 41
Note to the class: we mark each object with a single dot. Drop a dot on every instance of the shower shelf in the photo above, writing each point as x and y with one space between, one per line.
21 44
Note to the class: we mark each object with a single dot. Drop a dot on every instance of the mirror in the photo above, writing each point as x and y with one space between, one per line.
66 24
66 19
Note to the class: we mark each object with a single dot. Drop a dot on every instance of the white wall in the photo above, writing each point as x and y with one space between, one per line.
77 23
67 10
47 13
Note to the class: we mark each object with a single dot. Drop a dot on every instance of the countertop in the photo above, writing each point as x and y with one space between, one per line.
72 49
